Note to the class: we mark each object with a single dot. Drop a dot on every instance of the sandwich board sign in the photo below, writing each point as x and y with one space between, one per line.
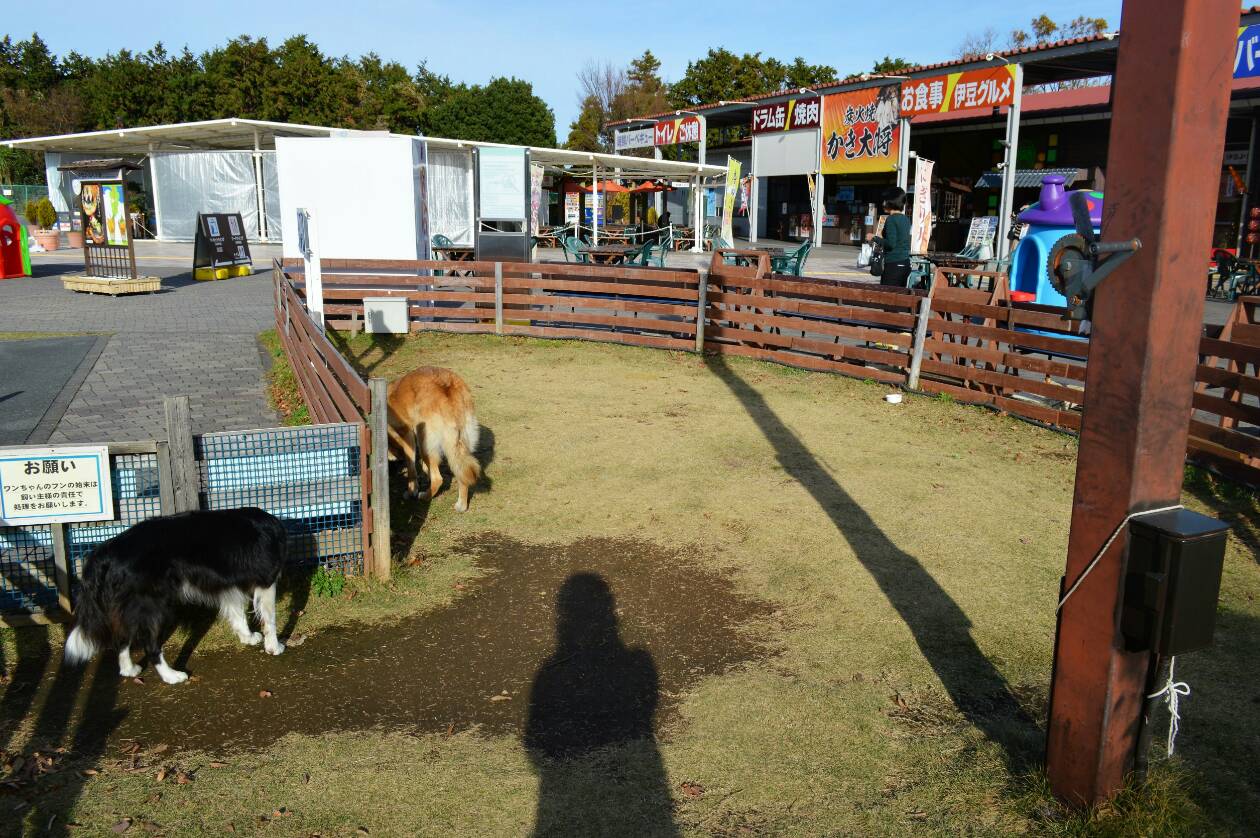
220 241
62 484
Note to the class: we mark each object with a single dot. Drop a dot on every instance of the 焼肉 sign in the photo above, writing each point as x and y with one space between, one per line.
634 138
787 116
56 485
861 129
684 129
991 87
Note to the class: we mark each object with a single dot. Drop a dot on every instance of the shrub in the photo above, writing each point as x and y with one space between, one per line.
42 213
329 583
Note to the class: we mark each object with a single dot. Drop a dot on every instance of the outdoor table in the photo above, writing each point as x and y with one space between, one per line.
610 254
456 253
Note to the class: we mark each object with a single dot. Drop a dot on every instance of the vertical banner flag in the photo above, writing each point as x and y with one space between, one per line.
728 200
921 221
861 130
535 193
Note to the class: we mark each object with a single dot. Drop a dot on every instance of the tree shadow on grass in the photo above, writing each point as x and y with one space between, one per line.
940 627
385 344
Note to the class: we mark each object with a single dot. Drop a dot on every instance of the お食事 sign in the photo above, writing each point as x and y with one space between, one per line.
55 485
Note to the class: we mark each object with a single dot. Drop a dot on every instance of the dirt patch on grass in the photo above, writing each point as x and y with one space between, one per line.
634 629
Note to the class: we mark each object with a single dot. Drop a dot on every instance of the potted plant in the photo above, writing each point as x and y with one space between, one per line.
45 218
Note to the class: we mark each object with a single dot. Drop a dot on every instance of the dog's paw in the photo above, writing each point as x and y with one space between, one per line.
460 506
174 676
274 647
129 671
252 639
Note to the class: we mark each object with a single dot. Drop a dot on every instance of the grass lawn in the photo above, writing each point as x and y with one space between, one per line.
813 613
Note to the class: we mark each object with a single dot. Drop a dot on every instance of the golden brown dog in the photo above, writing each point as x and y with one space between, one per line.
431 411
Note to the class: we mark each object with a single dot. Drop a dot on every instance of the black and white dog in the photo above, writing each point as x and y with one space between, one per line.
134 583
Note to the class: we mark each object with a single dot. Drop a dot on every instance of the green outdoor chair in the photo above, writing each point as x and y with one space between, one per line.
791 263
573 251
440 240
652 255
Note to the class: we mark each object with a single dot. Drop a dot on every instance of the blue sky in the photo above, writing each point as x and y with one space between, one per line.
546 43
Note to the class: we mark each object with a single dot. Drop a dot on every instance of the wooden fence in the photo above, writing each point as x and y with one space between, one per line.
335 392
963 337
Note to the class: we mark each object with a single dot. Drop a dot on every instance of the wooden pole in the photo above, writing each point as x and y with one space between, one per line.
702 305
378 421
183 461
1171 100
498 298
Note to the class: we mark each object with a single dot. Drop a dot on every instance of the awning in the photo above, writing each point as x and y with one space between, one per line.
1030 178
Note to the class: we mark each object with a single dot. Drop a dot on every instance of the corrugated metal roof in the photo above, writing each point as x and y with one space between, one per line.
1029 178
922 68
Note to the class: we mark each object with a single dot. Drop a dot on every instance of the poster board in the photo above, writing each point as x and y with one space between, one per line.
55 485
982 231
501 186
108 251
220 241
861 130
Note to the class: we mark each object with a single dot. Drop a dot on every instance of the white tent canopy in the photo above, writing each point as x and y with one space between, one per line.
228 165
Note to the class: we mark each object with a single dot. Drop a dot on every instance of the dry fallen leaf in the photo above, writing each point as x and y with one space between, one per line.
217 764
157 749
265 694
500 698
918 815
691 789
162 774
122 826
296 640
231 827
89 772
138 680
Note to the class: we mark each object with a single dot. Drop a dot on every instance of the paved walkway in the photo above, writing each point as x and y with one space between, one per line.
194 339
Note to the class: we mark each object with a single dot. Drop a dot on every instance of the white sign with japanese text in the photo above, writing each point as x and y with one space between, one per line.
633 138
57 485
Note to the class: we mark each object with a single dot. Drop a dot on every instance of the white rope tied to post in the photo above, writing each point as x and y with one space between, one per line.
1107 545
1174 690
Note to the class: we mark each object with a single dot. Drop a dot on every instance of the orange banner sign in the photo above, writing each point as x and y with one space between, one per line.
861 129
989 88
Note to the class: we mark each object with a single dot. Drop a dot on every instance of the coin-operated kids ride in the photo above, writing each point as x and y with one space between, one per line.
15 252
1049 221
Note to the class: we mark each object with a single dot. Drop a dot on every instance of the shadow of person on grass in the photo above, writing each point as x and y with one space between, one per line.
940 627
589 731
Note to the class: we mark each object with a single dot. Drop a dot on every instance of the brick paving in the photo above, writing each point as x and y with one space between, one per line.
194 339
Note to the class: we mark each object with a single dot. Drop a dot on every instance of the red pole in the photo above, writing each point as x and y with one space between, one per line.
1170 103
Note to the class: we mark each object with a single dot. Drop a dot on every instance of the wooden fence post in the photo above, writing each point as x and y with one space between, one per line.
61 567
498 298
920 337
378 424
702 306
183 460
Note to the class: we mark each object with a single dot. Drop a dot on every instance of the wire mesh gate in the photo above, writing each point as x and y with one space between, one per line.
309 477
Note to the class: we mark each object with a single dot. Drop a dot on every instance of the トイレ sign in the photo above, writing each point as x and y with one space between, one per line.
787 116
991 87
634 138
57 485
684 129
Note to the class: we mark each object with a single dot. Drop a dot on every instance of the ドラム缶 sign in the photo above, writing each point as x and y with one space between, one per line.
220 241
55 485
633 138
787 116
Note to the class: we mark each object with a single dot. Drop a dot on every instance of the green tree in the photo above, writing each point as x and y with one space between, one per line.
504 111
586 132
889 65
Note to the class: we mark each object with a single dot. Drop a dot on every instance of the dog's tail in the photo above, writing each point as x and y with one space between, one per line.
463 464
91 628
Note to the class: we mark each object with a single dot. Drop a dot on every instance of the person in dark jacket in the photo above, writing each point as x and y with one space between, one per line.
896 239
